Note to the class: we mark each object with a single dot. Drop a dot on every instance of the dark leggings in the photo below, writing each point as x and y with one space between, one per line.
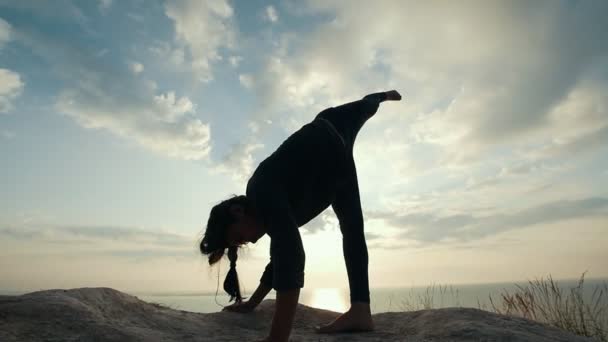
348 120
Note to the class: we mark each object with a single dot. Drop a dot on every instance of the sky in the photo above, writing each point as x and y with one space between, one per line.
122 123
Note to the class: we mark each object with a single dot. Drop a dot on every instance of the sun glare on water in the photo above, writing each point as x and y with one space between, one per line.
333 299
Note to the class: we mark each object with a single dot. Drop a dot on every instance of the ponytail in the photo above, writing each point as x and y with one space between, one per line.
214 244
231 283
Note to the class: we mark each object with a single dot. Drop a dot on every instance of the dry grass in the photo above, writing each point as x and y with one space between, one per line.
541 300
544 301
427 300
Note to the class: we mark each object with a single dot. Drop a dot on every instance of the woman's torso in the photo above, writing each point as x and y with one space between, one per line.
307 166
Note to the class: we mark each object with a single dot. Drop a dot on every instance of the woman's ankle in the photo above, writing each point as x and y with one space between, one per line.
360 307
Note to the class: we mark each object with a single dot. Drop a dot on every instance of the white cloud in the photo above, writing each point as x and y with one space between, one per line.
103 96
203 28
104 5
246 80
101 53
172 108
11 84
164 51
136 67
136 17
159 124
253 126
11 87
238 162
5 32
271 14
235 60
7 134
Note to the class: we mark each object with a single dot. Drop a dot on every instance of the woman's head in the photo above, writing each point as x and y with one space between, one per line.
231 223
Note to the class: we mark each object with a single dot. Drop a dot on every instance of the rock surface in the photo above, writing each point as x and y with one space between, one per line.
104 314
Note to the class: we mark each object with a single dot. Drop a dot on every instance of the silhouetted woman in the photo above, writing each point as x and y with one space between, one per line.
310 170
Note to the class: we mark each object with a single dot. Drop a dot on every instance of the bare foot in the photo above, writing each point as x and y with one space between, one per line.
357 319
393 95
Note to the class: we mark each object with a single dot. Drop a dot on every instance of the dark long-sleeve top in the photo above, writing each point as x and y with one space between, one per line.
291 187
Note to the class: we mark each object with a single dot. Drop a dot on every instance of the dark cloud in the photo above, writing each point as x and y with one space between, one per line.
430 227
584 144
151 253
372 236
62 9
387 246
318 223
546 48
79 234
120 242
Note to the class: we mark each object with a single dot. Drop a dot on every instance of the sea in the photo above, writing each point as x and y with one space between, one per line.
481 296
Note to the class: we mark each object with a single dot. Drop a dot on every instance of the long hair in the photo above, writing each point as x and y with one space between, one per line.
214 242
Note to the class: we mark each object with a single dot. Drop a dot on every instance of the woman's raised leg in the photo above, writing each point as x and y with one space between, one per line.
350 117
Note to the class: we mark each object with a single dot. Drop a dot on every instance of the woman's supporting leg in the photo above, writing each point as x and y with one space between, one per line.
348 120
347 206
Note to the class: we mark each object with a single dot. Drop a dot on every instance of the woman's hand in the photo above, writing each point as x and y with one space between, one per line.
242 307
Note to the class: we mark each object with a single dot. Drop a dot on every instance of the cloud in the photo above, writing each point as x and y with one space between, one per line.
246 80
126 242
99 94
11 87
136 17
372 236
519 61
238 162
57 9
164 51
505 93
172 108
136 67
7 134
5 32
427 226
235 60
104 5
387 246
271 14
488 88
326 220
578 124
160 123
92 233
202 27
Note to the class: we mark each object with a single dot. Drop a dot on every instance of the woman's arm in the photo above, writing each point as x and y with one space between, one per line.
285 310
250 304
260 293
258 296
